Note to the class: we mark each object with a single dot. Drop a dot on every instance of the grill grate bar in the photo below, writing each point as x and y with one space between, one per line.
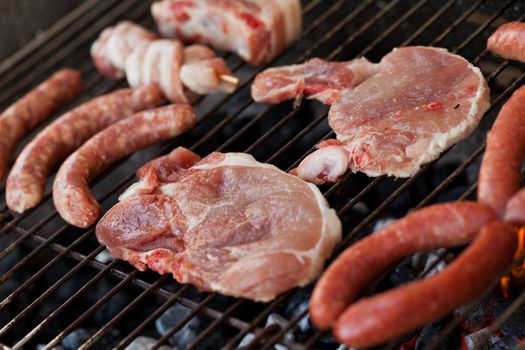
258 319
27 235
482 27
202 336
428 23
122 313
460 318
457 22
121 183
13 64
74 297
249 102
219 317
92 309
135 281
184 321
48 292
58 55
386 203
393 27
220 104
37 275
158 312
363 28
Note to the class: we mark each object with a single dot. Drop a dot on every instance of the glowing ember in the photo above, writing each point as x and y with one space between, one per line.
518 272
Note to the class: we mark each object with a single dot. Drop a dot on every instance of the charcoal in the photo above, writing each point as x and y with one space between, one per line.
144 343
171 318
402 273
245 341
104 257
75 339
481 340
428 336
513 325
382 222
42 346
113 306
436 262
477 316
361 208
297 304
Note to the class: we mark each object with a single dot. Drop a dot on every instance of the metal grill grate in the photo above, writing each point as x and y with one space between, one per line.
37 244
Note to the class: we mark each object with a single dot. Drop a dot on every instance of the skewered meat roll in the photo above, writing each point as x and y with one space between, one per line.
180 72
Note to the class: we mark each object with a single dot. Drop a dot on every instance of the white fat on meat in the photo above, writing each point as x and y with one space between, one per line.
115 44
227 224
421 101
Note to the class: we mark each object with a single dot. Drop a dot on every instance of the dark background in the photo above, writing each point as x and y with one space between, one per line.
23 20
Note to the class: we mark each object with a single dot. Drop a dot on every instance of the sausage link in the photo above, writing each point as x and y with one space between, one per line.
27 180
508 41
439 225
500 173
33 108
374 320
71 193
515 211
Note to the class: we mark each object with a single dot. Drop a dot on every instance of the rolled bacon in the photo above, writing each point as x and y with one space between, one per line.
181 73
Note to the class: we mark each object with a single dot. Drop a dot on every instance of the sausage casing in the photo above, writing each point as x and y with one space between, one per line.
434 226
71 193
27 180
35 107
387 315
500 172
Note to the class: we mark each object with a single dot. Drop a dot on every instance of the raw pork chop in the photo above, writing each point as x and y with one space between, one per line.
317 79
227 224
421 102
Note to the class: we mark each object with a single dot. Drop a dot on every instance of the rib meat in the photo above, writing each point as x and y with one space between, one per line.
421 102
227 224
256 30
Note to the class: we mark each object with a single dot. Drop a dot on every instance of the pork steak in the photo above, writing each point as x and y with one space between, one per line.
421 101
228 224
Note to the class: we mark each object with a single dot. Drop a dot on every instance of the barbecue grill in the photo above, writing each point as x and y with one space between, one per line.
56 279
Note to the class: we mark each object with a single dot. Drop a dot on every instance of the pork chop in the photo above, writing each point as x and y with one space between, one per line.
422 101
227 224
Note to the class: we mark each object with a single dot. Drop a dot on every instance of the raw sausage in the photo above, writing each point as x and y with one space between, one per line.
71 193
387 315
500 173
435 226
27 180
515 211
33 108
508 41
